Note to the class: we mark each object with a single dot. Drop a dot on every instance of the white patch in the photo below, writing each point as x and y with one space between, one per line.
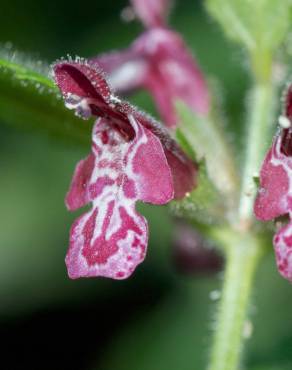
157 38
115 100
129 74
79 104
180 75
284 122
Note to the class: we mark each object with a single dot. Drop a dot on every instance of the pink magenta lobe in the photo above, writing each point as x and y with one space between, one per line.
274 197
283 251
78 195
81 80
271 200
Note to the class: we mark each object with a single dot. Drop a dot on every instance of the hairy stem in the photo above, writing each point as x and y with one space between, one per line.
243 248
242 258
261 114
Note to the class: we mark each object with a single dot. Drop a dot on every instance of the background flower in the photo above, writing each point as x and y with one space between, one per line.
160 62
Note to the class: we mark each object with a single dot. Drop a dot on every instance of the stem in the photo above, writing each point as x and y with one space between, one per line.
242 248
258 137
242 259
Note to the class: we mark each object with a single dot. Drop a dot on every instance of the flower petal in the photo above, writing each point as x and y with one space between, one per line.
152 13
78 195
108 241
133 158
173 73
82 87
273 198
111 239
283 250
184 173
159 62
78 78
126 70
149 164
183 170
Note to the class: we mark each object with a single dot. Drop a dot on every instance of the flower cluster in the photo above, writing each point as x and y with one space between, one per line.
275 194
132 158
159 62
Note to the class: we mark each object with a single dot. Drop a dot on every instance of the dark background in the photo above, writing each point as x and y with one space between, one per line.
159 319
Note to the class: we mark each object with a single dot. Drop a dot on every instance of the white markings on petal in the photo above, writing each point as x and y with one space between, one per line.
280 159
116 211
283 250
79 104
129 74
284 122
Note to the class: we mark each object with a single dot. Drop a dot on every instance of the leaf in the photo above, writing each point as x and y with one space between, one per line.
254 24
208 142
29 100
256 180
204 204
25 69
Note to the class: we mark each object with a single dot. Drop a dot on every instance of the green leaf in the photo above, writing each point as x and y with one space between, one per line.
208 143
184 144
25 69
256 180
29 100
204 204
254 24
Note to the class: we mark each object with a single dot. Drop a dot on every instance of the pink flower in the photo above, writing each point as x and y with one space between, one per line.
132 158
275 194
153 13
159 62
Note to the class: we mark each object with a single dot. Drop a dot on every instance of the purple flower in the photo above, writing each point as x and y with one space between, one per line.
132 158
275 194
159 62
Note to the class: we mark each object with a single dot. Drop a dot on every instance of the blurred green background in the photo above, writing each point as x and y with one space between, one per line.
158 319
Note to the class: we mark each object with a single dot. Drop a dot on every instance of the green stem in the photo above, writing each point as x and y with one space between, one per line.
261 108
242 259
243 248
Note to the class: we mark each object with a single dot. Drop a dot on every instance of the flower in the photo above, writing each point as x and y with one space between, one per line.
192 254
275 193
152 13
132 158
159 62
